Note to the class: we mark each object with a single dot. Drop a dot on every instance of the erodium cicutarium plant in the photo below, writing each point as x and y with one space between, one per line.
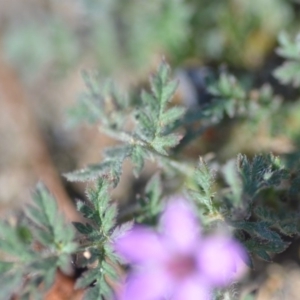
168 254
176 262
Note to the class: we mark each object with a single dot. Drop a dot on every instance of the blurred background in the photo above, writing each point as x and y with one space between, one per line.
45 45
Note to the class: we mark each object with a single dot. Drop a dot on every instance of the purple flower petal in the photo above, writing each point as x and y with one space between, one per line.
178 263
140 245
148 285
192 289
180 226
219 259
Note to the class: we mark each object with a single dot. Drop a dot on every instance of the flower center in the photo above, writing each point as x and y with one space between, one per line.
181 266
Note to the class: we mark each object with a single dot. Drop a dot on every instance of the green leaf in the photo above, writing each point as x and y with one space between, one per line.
146 129
99 195
265 214
119 231
87 212
172 114
12 244
138 159
100 286
158 83
262 248
204 194
263 255
167 93
35 250
87 278
150 202
149 99
110 271
83 229
110 170
49 277
231 97
288 49
98 291
263 171
161 144
46 205
151 136
118 152
233 179
109 218
154 189
90 173
288 73
53 228
258 229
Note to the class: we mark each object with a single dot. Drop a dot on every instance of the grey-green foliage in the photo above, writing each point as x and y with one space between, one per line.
232 195
238 203
289 71
154 115
263 172
42 242
152 128
149 137
230 97
156 122
150 203
100 102
97 237
234 181
154 134
204 193
34 249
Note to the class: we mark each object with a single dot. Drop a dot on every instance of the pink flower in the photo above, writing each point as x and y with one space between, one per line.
178 264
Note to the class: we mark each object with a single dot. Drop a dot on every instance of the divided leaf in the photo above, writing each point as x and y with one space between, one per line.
99 235
152 135
155 117
35 248
150 202
289 71
204 194
263 171
138 155
100 103
230 97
